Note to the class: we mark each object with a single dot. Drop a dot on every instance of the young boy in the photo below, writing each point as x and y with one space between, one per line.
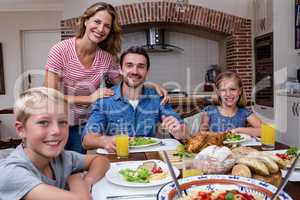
39 168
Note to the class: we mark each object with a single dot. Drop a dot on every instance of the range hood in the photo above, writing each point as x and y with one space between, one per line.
156 41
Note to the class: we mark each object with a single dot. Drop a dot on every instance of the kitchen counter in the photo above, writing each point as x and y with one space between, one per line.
289 94
191 104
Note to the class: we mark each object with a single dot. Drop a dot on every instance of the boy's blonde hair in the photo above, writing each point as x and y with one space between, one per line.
242 102
30 100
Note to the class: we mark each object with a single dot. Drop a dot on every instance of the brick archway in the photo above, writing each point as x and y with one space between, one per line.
236 29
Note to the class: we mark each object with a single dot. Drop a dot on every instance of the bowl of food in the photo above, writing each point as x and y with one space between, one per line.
220 187
214 160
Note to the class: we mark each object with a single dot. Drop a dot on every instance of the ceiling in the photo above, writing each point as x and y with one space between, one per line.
31 5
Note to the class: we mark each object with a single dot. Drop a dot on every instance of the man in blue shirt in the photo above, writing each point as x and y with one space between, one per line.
133 108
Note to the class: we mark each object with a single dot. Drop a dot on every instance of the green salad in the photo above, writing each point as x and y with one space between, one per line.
138 141
141 175
233 138
293 151
182 153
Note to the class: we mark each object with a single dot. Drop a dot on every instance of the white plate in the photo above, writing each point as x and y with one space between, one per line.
157 141
114 177
244 138
283 151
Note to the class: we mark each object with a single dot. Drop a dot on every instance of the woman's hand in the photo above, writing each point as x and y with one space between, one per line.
160 90
101 93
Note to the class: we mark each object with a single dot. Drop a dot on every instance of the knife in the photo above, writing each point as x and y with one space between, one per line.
131 196
179 190
286 178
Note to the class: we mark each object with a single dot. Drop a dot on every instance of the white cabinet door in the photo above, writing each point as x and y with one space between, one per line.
280 116
35 48
293 122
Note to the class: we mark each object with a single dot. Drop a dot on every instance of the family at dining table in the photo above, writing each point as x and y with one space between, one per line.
58 127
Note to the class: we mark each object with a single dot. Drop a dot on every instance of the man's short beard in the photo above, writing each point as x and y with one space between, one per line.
130 85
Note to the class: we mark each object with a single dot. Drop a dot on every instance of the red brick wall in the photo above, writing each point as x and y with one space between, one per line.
237 29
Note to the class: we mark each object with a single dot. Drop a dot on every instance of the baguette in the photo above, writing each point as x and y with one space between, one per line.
281 163
240 152
269 162
256 165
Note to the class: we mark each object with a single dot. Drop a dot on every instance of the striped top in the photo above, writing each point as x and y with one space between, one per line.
77 80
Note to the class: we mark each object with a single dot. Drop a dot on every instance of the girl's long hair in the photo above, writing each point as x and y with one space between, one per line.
112 43
242 102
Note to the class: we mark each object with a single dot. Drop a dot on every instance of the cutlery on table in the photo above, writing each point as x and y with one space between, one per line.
131 196
286 178
179 190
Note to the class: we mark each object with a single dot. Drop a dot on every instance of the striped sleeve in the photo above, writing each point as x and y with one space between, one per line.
55 59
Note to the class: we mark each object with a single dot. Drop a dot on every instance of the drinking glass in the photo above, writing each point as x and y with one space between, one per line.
267 136
122 144
188 168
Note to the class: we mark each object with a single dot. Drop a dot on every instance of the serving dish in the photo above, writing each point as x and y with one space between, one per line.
221 182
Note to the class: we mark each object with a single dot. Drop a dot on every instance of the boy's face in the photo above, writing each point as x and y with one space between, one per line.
46 130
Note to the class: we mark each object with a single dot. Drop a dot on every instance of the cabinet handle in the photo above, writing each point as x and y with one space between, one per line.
293 109
296 109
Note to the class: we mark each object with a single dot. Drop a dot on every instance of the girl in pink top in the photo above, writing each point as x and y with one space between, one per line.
77 66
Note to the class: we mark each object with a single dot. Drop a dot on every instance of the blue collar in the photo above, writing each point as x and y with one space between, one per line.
118 92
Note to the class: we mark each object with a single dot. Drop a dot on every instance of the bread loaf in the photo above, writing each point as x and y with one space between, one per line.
256 165
241 170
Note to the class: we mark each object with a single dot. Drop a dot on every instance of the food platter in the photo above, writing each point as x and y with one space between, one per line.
141 142
283 151
221 182
113 175
241 137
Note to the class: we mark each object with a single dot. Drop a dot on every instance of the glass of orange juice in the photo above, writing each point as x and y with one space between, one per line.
189 169
122 144
268 135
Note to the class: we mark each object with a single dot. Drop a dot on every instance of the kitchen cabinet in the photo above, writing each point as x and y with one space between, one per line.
293 121
263 14
288 120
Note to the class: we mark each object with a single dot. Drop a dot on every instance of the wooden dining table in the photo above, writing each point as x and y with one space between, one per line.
292 188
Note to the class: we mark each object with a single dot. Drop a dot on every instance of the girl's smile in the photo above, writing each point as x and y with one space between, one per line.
229 92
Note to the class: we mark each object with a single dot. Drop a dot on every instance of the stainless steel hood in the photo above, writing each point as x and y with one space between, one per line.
156 41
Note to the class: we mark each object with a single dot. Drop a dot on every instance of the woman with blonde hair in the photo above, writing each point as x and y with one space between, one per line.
229 113
78 65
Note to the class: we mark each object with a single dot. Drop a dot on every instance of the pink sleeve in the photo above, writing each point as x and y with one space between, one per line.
55 60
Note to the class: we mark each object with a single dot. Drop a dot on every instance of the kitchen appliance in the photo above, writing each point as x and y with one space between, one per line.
156 41
210 77
263 48
211 74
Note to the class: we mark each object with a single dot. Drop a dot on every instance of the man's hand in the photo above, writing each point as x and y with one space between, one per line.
108 143
173 126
